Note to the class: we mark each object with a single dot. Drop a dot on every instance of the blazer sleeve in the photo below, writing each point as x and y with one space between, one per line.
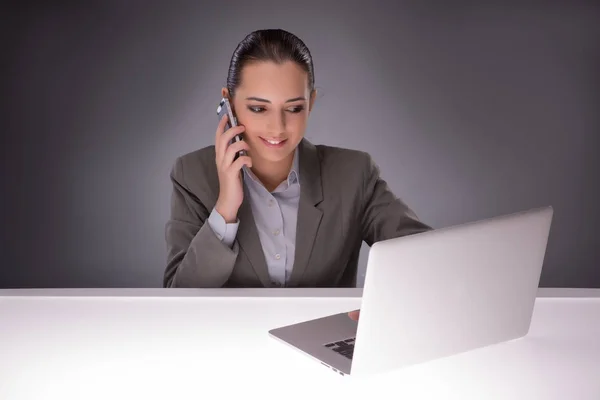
196 256
385 216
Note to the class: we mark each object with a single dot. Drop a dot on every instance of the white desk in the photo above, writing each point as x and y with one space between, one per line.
213 344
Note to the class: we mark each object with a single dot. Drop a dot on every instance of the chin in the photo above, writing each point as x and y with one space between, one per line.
274 154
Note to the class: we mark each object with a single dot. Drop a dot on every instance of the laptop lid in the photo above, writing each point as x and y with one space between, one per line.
450 290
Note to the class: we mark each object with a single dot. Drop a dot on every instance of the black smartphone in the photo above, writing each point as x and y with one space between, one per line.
225 108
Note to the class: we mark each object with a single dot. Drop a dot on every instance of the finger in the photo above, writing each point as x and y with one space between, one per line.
354 315
232 151
239 163
219 132
227 137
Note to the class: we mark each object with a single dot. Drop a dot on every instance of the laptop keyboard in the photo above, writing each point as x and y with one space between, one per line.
344 347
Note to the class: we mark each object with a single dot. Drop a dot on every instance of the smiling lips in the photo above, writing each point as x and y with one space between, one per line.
274 143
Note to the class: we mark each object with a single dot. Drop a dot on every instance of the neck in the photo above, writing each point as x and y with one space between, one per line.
272 173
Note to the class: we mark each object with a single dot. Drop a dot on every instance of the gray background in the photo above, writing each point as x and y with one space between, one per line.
470 109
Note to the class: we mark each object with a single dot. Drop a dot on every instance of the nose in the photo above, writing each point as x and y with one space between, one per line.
277 123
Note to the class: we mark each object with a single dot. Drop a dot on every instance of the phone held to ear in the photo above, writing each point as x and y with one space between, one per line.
225 108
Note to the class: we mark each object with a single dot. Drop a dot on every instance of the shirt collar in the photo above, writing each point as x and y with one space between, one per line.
294 175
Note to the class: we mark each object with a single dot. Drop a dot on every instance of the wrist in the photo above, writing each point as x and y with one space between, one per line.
230 216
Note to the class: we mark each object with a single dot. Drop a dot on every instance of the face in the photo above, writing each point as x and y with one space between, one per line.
273 103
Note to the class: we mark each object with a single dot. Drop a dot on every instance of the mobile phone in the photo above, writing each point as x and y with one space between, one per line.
225 108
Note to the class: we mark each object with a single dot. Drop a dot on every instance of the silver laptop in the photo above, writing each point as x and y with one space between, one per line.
433 295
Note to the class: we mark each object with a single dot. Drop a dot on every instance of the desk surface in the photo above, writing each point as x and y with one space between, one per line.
198 343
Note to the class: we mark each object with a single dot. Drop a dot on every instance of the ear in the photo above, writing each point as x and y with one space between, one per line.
313 96
225 92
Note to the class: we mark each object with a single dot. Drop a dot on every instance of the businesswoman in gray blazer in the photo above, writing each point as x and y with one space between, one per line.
289 213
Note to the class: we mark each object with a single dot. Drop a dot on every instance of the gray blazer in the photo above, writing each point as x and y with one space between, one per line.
343 202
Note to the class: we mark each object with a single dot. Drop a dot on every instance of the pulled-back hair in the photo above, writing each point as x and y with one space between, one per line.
275 45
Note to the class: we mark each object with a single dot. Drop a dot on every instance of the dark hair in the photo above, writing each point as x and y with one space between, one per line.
274 45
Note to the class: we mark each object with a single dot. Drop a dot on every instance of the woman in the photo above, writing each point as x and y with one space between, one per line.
289 213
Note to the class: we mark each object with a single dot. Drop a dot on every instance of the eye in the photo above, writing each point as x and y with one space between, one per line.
258 110
296 110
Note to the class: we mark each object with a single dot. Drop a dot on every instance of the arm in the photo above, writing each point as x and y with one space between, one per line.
201 247
385 216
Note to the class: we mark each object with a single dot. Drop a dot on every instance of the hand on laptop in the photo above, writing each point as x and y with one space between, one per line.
354 314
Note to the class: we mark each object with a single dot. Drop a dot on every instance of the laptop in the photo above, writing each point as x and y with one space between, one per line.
433 295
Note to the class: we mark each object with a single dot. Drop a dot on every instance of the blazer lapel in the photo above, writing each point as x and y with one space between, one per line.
309 216
249 241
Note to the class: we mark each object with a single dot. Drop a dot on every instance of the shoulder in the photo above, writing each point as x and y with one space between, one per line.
196 162
340 161
197 171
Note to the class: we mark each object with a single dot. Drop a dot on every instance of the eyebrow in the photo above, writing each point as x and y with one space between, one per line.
268 101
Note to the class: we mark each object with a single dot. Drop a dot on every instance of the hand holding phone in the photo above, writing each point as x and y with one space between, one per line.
225 108
231 156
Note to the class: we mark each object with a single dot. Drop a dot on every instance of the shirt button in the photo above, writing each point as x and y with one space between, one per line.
277 256
270 203
276 232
